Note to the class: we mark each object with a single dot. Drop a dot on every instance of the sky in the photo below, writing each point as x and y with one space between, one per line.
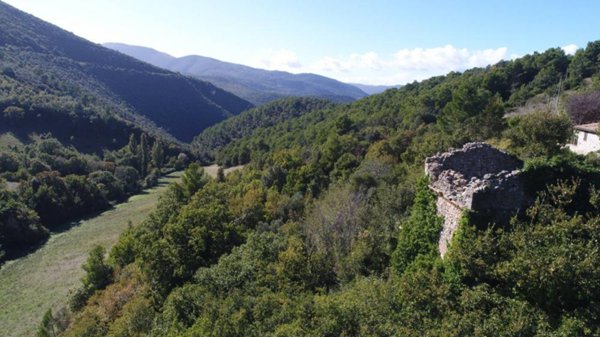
383 42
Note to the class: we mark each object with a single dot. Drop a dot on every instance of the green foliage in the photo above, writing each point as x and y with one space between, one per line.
46 328
54 184
42 75
330 230
418 236
98 274
220 174
249 122
19 225
123 252
193 179
136 319
143 154
158 154
542 133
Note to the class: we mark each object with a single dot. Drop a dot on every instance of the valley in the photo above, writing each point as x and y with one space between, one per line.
299 205
41 280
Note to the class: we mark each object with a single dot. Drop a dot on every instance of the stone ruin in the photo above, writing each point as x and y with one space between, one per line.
477 177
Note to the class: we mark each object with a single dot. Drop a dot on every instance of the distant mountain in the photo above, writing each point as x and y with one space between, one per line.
75 89
255 85
374 89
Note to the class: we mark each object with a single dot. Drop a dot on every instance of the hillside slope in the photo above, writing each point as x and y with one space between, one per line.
67 85
331 230
217 136
255 85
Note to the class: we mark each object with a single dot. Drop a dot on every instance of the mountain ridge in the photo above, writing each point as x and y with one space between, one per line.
255 85
49 71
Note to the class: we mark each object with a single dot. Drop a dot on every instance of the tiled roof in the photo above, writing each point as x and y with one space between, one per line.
590 127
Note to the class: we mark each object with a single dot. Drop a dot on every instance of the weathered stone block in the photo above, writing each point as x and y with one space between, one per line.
477 177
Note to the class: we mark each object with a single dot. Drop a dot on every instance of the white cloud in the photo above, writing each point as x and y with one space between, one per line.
282 59
446 58
403 66
570 49
406 65
369 60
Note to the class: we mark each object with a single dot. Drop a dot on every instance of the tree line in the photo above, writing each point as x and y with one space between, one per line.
54 184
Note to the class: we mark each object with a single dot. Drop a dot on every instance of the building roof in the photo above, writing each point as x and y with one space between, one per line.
590 127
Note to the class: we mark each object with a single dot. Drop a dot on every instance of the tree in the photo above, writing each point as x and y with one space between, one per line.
132 145
584 107
98 272
220 174
193 179
419 235
143 154
98 275
129 177
541 133
46 328
158 154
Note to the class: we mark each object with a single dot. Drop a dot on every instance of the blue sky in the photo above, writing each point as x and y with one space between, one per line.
374 42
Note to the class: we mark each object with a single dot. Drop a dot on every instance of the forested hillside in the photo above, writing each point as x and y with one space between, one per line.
330 230
83 127
63 84
209 142
45 184
258 86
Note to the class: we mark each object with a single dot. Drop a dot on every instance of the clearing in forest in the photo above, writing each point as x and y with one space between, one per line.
41 280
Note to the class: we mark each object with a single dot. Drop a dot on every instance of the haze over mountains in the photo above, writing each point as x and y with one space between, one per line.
255 85
374 89
74 88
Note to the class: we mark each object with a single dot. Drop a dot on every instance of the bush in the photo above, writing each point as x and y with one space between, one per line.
419 235
98 275
541 133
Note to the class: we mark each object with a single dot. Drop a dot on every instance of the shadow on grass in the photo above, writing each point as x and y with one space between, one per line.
20 252
17 253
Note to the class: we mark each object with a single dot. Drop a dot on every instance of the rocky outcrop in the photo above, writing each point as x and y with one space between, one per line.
477 177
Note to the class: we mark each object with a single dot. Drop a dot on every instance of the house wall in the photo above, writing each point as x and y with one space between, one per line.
591 143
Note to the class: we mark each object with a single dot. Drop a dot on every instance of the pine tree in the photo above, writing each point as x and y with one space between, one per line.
46 328
193 179
98 272
132 146
419 235
158 154
143 154
220 175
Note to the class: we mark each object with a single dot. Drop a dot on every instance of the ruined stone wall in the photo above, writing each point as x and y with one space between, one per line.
501 192
451 213
476 177
472 160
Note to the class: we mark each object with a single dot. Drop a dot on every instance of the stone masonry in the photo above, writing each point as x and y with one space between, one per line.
477 177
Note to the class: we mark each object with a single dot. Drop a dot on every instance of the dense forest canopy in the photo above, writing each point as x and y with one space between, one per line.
330 229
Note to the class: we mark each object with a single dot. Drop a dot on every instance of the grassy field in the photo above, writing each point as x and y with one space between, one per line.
8 140
41 280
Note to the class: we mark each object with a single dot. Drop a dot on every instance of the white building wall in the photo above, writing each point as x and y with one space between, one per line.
586 142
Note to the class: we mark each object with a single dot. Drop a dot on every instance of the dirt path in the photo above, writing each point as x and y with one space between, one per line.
41 280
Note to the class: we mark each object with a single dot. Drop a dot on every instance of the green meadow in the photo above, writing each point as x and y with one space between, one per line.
43 279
